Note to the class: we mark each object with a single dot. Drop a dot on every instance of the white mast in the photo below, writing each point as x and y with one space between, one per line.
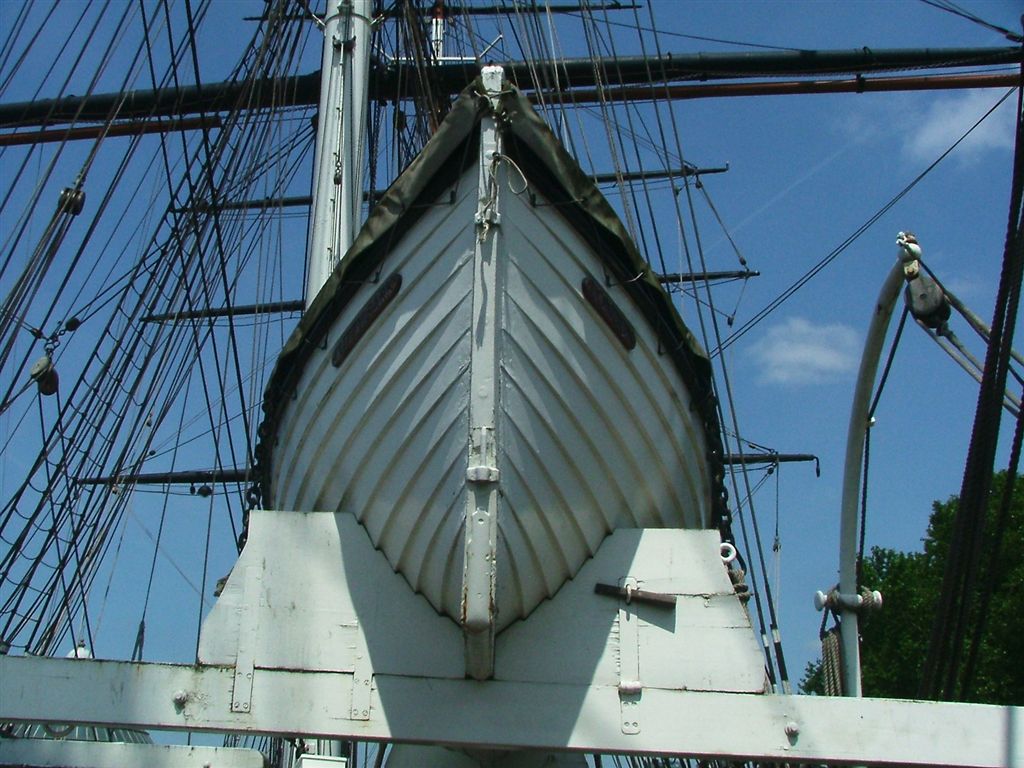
338 168
340 139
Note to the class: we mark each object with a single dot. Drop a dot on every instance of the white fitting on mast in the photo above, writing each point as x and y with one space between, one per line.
340 140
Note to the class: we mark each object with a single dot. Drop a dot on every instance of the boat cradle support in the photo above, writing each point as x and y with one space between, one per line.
343 649
513 714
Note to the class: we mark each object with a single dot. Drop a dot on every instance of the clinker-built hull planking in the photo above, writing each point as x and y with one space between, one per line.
595 427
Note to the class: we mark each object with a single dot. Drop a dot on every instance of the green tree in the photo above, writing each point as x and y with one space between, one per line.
894 639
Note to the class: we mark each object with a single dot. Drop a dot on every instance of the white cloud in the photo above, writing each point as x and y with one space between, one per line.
948 118
800 352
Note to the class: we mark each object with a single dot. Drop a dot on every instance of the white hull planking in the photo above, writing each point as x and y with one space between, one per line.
591 437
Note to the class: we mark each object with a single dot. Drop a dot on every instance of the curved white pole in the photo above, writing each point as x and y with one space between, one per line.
848 599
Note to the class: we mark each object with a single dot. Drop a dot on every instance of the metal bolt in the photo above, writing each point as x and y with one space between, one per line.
792 729
180 697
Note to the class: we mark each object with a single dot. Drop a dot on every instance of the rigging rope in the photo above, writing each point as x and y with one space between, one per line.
133 378
850 240
770 635
956 10
957 601
994 576
867 443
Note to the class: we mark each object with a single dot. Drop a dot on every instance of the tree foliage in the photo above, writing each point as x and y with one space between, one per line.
894 640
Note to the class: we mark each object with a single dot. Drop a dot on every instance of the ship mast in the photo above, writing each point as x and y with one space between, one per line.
340 139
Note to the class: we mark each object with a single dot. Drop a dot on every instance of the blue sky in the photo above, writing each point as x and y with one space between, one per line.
805 172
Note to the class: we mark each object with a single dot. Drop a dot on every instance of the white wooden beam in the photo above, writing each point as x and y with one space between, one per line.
43 753
469 713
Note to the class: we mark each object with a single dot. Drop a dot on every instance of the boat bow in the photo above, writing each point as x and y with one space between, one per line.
493 381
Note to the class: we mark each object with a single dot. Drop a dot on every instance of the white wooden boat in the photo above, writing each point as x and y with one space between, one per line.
493 349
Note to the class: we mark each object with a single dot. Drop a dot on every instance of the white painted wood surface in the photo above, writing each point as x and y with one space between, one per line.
482 497
591 437
46 753
467 713
347 611
559 674
329 614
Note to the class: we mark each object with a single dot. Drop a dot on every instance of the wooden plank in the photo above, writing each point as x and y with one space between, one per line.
468 713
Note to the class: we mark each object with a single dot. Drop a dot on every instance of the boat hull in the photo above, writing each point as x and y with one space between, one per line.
489 358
